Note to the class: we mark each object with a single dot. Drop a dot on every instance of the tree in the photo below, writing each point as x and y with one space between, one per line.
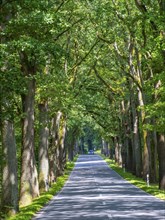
43 147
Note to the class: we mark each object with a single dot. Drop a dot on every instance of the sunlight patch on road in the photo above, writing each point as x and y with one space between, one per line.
90 162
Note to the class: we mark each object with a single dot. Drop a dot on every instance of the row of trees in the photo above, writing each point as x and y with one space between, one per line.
67 63
35 88
139 51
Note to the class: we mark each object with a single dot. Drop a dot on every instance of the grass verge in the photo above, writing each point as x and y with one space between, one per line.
139 182
27 212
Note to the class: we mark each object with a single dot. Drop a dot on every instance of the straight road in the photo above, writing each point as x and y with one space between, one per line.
94 192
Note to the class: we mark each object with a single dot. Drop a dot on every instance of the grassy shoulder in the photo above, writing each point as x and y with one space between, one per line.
139 182
27 212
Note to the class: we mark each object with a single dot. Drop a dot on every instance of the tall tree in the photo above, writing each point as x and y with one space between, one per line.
9 169
29 188
43 147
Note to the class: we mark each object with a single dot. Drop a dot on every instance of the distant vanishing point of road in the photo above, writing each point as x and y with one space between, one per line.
94 192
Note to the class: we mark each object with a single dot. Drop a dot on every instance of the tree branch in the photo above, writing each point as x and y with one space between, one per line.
60 5
143 9
86 55
103 81
140 6
104 39
67 29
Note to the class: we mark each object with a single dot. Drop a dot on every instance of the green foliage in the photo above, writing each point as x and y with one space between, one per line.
79 52
26 213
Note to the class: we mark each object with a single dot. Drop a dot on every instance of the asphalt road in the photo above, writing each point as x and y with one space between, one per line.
94 192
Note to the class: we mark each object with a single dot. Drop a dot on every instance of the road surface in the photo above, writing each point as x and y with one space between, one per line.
94 192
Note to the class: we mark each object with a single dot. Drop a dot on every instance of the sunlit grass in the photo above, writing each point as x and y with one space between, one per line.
26 213
139 182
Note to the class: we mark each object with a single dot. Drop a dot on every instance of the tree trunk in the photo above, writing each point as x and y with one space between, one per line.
54 151
43 147
145 133
70 152
118 157
153 169
155 165
71 139
129 160
63 146
76 148
60 149
137 162
136 151
82 145
9 169
161 156
60 146
146 146
29 188
105 147
65 150
71 148
111 150
102 147
125 131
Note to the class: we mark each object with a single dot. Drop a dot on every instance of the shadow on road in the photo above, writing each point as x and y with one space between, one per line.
94 191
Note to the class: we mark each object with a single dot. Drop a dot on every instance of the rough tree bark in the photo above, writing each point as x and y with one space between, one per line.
29 188
105 147
9 169
118 157
53 146
52 152
71 139
60 146
144 132
43 147
137 160
136 148
127 143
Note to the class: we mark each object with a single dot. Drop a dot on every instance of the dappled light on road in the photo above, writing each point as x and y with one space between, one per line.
94 191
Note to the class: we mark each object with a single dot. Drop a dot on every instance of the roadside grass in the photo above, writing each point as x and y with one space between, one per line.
139 182
27 212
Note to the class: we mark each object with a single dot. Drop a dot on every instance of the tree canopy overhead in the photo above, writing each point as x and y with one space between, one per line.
65 64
